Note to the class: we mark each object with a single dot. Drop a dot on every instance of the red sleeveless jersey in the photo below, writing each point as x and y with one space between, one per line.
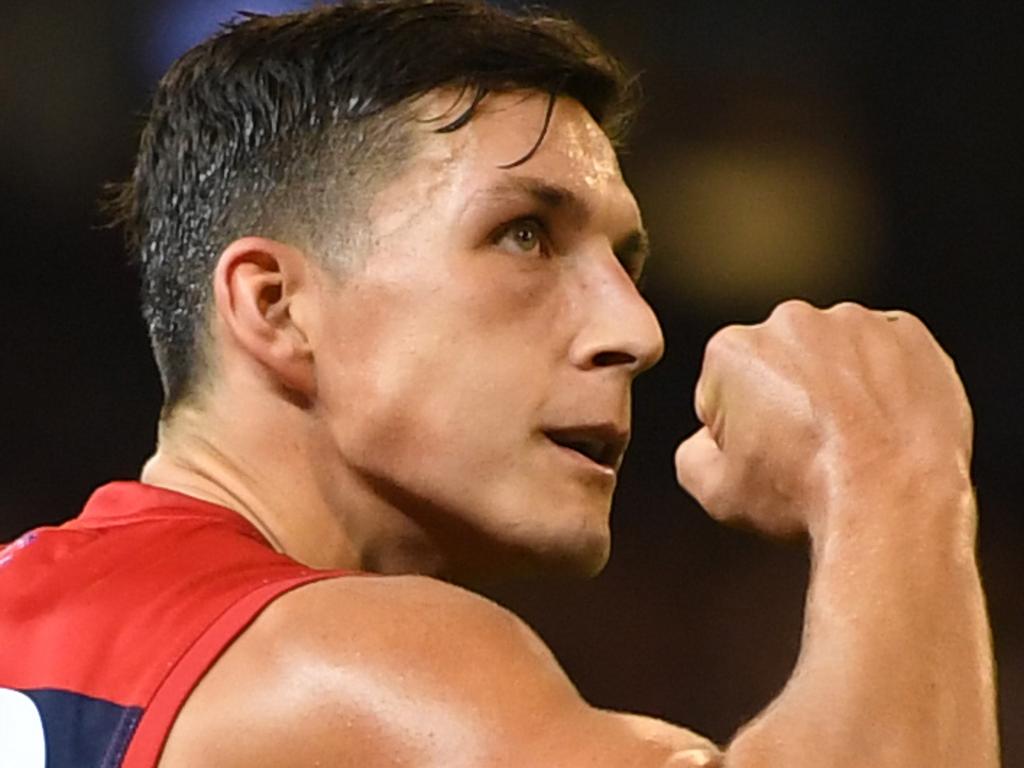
108 622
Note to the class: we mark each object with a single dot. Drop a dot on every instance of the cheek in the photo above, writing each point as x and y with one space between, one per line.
429 397
447 372
462 413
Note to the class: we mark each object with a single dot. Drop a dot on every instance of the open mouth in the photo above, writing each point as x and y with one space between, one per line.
600 446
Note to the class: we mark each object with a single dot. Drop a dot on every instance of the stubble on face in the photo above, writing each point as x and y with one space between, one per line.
448 354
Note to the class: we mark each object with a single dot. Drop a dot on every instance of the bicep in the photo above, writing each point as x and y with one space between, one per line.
403 671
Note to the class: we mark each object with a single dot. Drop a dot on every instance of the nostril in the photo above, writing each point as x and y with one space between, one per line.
607 359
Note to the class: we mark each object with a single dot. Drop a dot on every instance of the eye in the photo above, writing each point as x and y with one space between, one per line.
522 235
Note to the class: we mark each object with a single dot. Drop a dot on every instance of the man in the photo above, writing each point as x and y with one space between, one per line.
389 269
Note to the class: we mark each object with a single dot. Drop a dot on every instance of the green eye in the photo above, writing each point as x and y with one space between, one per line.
524 236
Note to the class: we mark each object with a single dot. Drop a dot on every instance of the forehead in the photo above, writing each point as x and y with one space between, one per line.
575 154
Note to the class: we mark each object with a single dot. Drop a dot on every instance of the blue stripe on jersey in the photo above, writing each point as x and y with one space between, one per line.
83 732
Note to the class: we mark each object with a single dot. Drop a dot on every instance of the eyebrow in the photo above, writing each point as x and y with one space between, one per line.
631 250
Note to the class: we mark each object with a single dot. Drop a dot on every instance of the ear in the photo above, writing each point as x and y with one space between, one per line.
262 290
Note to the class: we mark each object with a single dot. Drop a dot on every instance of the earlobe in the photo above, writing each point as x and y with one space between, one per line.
258 286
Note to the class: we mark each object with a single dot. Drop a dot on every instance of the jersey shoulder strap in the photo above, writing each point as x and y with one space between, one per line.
110 620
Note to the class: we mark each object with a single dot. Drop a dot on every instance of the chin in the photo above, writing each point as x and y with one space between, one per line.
576 554
524 535
584 557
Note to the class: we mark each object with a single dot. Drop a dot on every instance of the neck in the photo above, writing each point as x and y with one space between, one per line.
270 468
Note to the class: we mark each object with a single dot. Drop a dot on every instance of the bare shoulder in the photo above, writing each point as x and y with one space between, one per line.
381 671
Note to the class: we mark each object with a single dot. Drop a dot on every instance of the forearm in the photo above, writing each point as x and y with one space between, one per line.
896 668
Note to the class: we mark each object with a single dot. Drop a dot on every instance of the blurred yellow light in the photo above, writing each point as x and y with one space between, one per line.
742 223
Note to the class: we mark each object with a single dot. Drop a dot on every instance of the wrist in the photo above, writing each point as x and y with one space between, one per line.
903 496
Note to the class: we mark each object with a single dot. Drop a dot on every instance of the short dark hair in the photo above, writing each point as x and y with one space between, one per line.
268 125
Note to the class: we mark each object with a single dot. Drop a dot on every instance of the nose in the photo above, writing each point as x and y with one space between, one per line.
618 328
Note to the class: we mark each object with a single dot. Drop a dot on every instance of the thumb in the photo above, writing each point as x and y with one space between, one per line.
700 467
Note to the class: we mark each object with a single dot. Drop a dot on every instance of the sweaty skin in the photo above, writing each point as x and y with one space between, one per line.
413 416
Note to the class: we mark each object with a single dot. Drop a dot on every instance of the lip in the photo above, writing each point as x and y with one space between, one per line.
584 462
598 447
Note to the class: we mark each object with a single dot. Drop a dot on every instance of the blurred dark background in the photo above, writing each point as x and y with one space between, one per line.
838 150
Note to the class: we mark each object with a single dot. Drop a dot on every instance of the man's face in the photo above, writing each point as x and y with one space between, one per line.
475 370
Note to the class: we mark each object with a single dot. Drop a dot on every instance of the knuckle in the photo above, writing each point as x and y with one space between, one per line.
900 315
848 309
909 320
722 340
791 309
911 328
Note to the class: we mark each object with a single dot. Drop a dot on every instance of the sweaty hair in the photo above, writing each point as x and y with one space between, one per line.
279 126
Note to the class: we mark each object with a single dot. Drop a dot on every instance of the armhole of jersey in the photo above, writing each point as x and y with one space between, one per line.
157 718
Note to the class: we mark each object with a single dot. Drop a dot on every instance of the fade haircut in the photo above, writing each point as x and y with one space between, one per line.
279 126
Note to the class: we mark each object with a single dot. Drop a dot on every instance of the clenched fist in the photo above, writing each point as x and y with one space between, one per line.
816 404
